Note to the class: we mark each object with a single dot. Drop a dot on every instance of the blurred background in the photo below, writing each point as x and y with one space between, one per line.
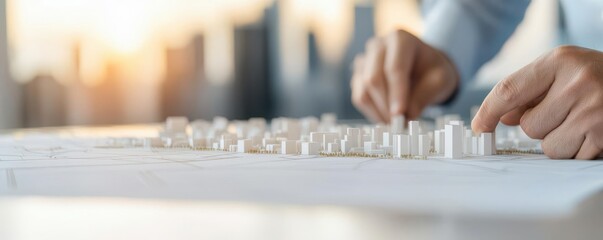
82 62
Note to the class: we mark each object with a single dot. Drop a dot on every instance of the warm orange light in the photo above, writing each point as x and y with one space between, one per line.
125 25
43 36
391 15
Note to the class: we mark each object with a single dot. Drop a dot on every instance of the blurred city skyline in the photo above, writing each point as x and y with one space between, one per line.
130 61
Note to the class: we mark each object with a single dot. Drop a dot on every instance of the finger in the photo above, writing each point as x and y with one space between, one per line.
540 120
547 115
563 142
379 98
370 110
374 77
398 64
519 89
588 150
360 96
364 103
358 63
513 117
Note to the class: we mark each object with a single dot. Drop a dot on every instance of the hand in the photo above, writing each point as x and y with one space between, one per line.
557 98
400 75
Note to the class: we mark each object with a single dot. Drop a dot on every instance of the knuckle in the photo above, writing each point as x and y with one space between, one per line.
566 55
529 128
373 81
550 150
564 52
360 99
398 35
573 88
506 90
588 74
586 80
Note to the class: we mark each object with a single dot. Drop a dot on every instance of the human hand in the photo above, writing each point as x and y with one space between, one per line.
557 98
400 75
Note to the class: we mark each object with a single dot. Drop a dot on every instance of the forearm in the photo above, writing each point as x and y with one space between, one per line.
471 32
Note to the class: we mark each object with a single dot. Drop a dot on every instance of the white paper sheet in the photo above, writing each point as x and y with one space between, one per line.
67 164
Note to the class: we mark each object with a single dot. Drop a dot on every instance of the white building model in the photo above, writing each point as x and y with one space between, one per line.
311 136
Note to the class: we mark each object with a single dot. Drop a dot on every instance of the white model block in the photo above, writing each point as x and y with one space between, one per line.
209 143
220 123
397 124
257 126
289 147
244 146
215 145
310 148
387 150
439 141
293 129
153 142
329 119
386 139
273 148
241 129
377 135
355 137
177 142
467 134
414 128
414 144
345 146
457 122
256 141
316 137
493 142
395 145
308 125
468 145
485 144
366 138
424 145
225 143
402 147
197 143
414 131
353 131
226 140
176 124
369 147
332 147
454 143
267 141
326 139
474 145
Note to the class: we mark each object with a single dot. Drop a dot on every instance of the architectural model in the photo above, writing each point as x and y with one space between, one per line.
448 137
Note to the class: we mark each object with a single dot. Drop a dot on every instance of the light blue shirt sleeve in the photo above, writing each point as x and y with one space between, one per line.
471 32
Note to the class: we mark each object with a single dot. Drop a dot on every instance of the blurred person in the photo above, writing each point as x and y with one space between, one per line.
557 98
